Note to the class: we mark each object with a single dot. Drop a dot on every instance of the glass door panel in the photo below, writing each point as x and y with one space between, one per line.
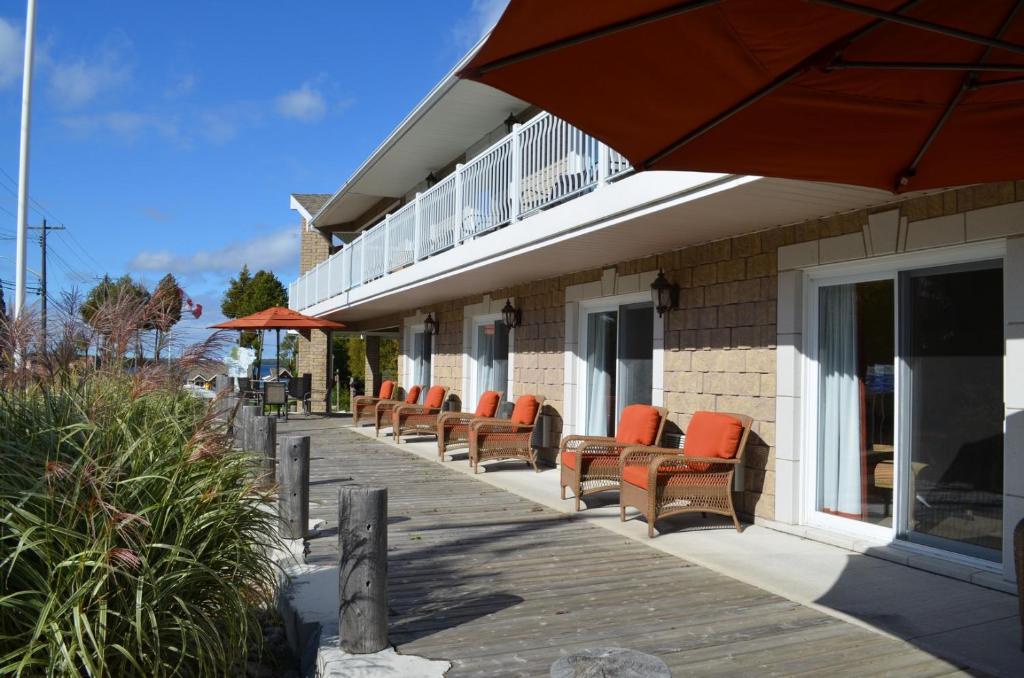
855 450
636 356
602 332
491 360
421 358
953 356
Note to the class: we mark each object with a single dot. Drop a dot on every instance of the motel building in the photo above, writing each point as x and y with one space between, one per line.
877 340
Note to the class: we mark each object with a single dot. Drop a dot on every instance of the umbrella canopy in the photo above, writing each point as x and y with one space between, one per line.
279 318
892 94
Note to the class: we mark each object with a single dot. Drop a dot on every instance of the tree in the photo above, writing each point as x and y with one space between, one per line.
166 309
117 310
251 294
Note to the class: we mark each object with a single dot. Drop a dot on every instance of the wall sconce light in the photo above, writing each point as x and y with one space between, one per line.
511 316
664 295
431 179
430 325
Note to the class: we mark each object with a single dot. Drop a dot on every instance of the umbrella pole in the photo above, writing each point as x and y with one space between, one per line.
278 353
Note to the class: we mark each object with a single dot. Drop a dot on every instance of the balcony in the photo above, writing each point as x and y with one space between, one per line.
541 163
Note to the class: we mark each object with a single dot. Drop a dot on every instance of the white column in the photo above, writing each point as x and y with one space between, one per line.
26 108
517 171
460 208
417 228
387 243
603 167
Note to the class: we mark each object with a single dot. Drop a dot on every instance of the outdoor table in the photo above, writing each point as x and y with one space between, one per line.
610 662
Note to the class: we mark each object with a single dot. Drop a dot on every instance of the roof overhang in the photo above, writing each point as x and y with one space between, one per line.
453 116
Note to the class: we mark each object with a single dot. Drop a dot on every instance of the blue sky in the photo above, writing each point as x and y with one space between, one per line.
168 136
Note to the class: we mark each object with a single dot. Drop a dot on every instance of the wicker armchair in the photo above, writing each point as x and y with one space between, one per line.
662 482
419 418
453 427
590 464
363 407
382 410
506 438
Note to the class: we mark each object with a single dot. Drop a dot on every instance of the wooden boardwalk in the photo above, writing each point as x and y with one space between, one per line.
501 586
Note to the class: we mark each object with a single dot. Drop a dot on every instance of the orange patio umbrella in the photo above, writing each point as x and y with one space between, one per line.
893 94
278 318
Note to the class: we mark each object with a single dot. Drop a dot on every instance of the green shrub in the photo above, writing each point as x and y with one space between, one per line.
132 539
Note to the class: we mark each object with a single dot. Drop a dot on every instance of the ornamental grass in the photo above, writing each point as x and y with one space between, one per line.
133 540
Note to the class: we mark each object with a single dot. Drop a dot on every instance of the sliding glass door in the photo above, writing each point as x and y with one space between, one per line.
906 407
619 345
490 358
953 347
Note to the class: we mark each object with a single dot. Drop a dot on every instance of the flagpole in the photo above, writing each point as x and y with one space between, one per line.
26 107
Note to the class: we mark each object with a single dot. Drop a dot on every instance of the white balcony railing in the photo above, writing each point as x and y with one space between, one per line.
541 163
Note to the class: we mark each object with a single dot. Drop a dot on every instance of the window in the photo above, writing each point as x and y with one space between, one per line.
619 357
906 401
490 353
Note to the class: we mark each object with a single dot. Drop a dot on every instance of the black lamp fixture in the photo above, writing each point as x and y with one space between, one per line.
511 316
431 179
510 122
430 325
664 295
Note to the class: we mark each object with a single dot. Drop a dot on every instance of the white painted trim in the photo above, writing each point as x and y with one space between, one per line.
303 212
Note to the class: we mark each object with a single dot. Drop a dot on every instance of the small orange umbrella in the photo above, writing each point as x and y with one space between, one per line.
278 318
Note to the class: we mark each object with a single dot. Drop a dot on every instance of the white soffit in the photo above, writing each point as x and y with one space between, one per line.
453 116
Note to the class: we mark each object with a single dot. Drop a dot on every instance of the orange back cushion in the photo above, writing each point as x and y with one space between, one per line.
413 395
711 434
525 410
435 396
638 425
387 389
488 404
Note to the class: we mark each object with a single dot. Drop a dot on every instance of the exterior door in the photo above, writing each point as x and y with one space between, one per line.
490 360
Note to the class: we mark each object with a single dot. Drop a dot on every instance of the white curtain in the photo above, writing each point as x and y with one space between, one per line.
484 358
601 331
839 416
421 355
636 356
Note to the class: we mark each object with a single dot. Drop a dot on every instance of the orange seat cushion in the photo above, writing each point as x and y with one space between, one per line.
711 434
488 404
387 389
435 396
637 474
638 425
413 395
569 460
525 410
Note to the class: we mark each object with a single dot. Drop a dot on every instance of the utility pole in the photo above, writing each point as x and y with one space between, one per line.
42 271
26 108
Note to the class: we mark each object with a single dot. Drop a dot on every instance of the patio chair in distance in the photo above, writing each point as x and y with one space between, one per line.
512 438
421 419
453 427
590 464
382 411
363 406
663 482
276 395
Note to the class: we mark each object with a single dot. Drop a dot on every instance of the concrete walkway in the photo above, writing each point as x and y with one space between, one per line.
968 625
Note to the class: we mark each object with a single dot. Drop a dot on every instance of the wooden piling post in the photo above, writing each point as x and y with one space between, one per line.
243 427
363 568
293 478
264 445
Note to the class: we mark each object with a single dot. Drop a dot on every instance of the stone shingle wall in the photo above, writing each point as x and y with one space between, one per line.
719 345
312 355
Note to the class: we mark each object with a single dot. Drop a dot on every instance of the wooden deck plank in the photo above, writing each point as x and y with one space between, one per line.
501 586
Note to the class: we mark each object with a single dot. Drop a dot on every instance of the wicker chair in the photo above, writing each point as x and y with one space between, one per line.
383 408
506 438
590 464
697 478
453 427
420 419
363 407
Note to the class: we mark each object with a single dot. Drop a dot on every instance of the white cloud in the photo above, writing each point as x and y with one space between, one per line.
75 83
305 103
483 14
126 125
12 53
276 250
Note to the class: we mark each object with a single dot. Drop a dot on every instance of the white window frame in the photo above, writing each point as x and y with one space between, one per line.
612 303
477 322
864 270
